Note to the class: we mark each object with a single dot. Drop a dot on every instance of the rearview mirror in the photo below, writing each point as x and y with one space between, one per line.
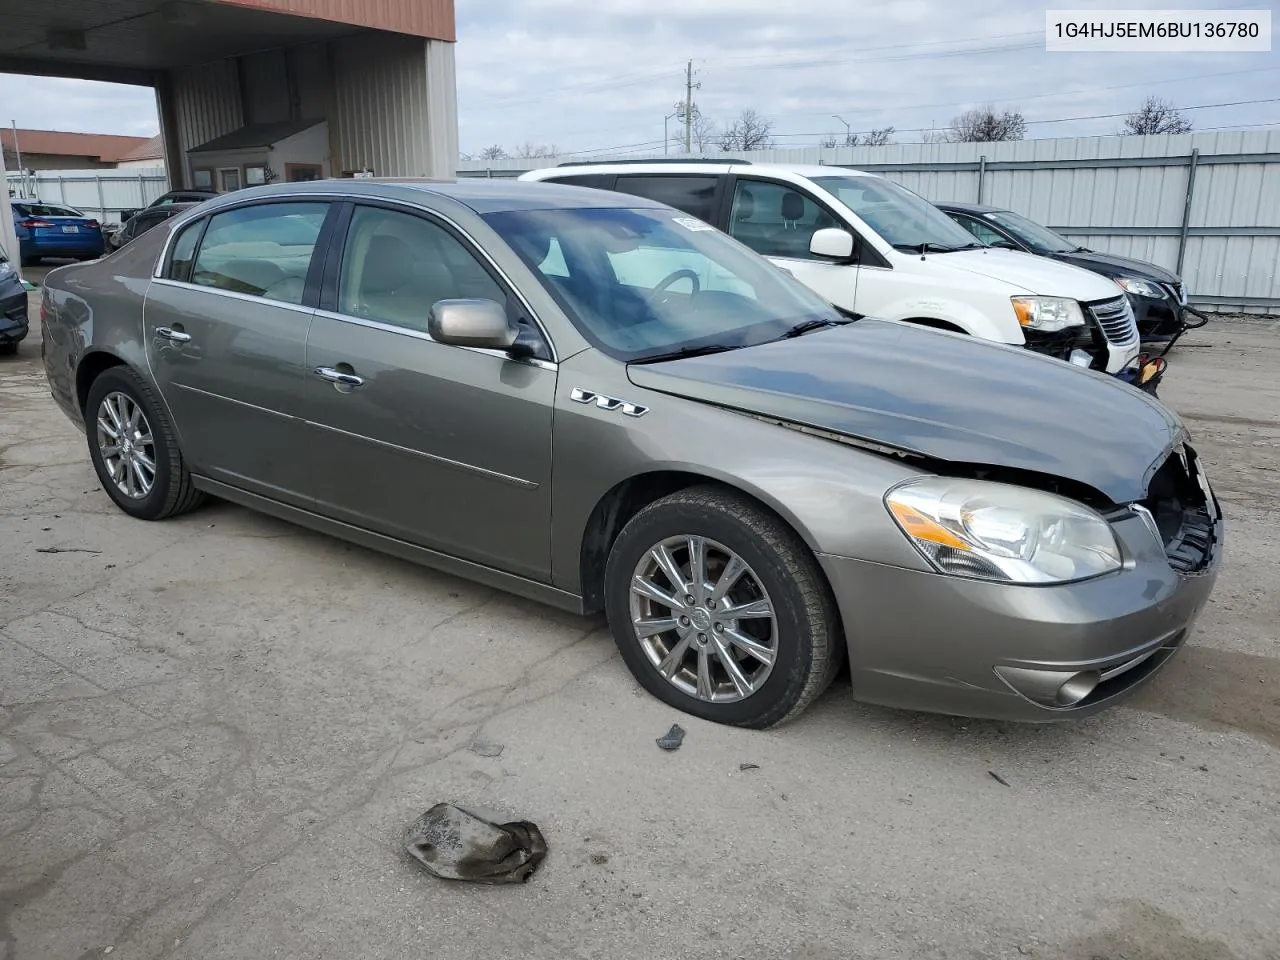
472 323
832 244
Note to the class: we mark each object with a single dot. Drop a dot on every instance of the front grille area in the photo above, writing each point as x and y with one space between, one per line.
1185 513
1060 343
1115 318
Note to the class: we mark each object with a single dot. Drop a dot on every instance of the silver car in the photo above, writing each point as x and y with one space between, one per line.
601 403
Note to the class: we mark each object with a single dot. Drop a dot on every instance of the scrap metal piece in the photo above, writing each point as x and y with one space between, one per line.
456 844
673 739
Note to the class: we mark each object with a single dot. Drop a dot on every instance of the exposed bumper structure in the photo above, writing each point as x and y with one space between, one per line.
975 648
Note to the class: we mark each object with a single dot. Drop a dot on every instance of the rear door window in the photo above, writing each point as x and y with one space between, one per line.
695 195
263 250
776 220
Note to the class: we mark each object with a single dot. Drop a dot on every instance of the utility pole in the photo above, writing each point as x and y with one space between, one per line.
666 139
689 87
848 131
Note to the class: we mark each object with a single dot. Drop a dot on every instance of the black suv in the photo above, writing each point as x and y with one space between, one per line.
1158 296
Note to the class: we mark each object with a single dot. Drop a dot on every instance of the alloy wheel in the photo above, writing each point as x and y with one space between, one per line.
127 445
704 619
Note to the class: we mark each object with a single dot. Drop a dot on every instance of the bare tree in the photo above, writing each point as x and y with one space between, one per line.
749 132
1156 115
983 124
705 131
494 152
539 151
871 138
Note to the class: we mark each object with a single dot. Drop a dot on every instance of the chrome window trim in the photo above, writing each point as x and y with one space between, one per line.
233 295
427 338
157 273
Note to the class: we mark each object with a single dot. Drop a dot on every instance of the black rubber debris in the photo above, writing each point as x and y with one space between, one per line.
748 766
457 844
997 778
673 739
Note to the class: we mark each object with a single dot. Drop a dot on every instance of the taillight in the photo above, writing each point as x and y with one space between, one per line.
32 224
93 225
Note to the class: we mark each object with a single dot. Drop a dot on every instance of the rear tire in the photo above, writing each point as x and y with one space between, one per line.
140 466
792 619
8 349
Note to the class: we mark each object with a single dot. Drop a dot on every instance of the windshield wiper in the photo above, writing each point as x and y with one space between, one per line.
923 248
807 326
684 352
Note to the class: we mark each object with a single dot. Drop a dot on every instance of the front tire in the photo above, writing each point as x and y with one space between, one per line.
720 609
9 349
134 448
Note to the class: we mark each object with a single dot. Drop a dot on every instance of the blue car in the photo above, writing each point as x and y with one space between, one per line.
52 230
13 307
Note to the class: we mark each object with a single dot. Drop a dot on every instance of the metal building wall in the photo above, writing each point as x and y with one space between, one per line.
206 103
394 106
1125 195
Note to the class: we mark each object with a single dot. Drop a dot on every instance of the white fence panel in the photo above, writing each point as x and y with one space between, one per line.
96 193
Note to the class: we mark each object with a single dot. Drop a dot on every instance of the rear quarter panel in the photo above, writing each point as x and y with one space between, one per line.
97 307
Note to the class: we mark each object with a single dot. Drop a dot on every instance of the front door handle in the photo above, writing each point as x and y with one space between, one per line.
177 336
338 377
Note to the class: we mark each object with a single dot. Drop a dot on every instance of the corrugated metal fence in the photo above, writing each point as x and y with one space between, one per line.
96 193
1204 204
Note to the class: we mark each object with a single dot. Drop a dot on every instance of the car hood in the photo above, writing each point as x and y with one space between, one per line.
1110 265
1031 274
942 396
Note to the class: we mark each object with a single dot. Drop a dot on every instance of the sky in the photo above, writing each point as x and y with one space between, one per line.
590 75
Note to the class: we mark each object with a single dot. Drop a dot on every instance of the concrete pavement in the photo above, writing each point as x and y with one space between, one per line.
214 730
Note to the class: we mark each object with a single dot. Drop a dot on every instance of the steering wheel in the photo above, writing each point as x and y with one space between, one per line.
674 277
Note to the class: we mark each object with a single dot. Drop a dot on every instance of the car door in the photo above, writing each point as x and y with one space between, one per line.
778 220
441 446
226 330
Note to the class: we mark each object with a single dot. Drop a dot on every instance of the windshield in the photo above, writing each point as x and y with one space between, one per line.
904 219
1038 238
646 283
45 210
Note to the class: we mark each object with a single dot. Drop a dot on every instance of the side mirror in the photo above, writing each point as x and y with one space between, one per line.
832 244
472 323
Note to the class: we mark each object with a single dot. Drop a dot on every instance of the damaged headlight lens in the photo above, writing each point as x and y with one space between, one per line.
995 531
1048 314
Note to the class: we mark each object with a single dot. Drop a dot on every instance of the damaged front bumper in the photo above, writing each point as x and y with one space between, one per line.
925 641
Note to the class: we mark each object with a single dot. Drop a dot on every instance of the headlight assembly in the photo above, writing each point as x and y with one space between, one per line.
1048 314
995 531
1139 287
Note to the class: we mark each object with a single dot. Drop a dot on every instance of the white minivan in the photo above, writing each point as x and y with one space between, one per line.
874 248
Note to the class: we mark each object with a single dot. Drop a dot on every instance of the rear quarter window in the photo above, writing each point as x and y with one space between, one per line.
694 195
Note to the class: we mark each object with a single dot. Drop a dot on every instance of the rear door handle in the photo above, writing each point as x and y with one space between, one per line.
337 376
177 336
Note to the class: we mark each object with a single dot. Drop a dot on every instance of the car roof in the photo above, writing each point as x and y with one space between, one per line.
810 171
481 194
967 207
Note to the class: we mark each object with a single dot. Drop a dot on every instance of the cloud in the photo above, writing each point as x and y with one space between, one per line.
587 74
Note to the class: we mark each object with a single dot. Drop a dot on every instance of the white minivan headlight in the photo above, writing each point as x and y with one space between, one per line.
996 531
1048 314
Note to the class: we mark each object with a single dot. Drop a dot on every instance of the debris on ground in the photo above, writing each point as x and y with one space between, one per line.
457 844
673 738
599 859
65 550
744 767
485 748
997 778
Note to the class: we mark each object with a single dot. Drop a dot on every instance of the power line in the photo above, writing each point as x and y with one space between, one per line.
1074 93
1096 116
636 79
